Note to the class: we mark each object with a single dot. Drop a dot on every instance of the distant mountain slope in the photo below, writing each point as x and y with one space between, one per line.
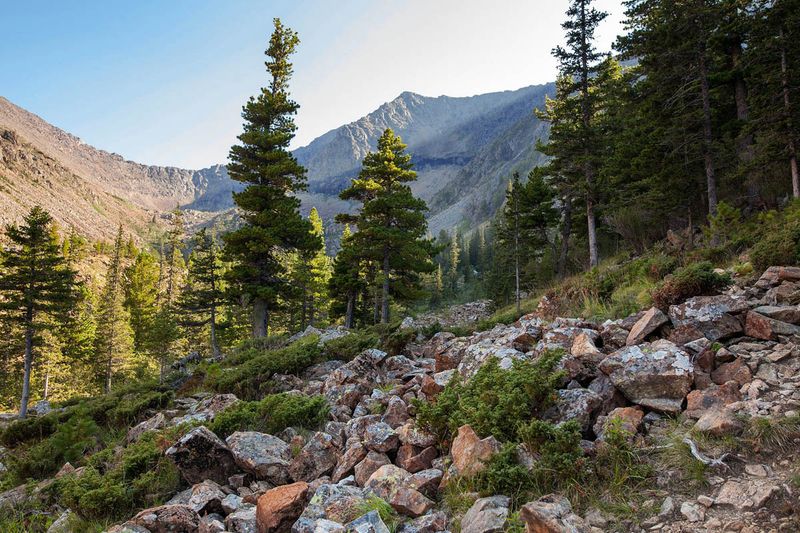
464 149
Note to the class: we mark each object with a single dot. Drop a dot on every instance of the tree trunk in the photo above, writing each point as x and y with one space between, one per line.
348 316
591 225
304 310
588 171
711 178
46 384
516 249
260 313
26 378
385 293
788 109
566 231
213 333
744 144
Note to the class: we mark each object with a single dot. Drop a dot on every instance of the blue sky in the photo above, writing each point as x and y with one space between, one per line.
163 82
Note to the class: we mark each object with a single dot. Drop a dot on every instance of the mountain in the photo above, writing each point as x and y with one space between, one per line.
464 149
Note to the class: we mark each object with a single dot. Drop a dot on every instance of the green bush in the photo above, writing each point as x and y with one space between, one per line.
272 414
696 279
495 401
348 347
251 378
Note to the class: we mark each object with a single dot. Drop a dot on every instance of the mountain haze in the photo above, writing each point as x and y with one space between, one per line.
463 148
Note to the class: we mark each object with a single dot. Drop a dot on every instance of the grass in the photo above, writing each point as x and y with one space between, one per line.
776 433
386 512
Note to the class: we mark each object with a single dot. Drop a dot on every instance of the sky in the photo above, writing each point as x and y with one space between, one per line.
163 82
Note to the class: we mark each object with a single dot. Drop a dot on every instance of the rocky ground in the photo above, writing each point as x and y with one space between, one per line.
700 373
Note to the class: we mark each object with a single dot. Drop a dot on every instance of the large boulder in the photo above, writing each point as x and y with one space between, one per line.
471 453
381 438
763 327
206 497
201 455
264 456
333 503
168 519
719 423
658 375
551 514
392 484
317 458
710 316
574 404
487 515
650 322
278 508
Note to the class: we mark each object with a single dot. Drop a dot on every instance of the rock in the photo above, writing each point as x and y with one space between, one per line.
719 422
206 497
264 456
737 370
745 495
396 413
667 508
354 455
471 453
583 348
614 336
487 515
551 514
151 424
414 459
410 502
629 420
649 323
243 520
278 508
201 455
317 458
41 408
207 409
386 480
381 438
62 523
231 503
710 315
337 503
658 375
368 523
168 519
693 512
429 523
574 404
774 275
698 401
788 314
759 326
212 523
409 433
426 481
369 465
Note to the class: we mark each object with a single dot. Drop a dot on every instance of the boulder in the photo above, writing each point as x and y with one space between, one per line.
415 459
337 503
278 508
386 480
698 401
574 404
168 519
206 497
381 438
584 348
649 323
369 465
243 520
719 423
774 275
410 433
354 455
426 481
628 418
487 515
410 502
783 313
711 315
428 523
551 514
471 453
657 375
763 327
201 455
744 495
317 458
151 424
737 370
368 523
264 456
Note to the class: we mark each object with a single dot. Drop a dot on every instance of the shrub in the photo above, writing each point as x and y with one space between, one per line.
495 401
347 347
251 378
696 279
272 414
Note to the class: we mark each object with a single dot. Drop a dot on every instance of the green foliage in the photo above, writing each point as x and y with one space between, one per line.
272 414
696 279
777 433
251 375
347 347
779 242
495 401
388 515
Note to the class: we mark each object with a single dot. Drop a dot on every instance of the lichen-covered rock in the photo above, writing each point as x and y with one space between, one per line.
763 327
201 455
278 508
381 438
368 523
574 404
168 519
206 497
719 423
711 315
354 455
336 503
151 424
264 456
371 462
317 458
243 520
410 433
551 514
657 375
628 419
487 515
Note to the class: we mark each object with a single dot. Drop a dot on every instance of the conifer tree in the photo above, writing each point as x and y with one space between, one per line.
311 271
391 222
272 225
35 282
203 295
455 258
347 281
141 297
114 334
174 255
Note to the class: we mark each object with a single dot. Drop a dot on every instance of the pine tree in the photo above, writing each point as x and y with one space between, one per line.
347 280
311 271
36 282
141 297
203 295
174 255
455 258
269 209
391 222
114 334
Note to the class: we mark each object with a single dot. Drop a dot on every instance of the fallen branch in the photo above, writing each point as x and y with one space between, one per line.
710 461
